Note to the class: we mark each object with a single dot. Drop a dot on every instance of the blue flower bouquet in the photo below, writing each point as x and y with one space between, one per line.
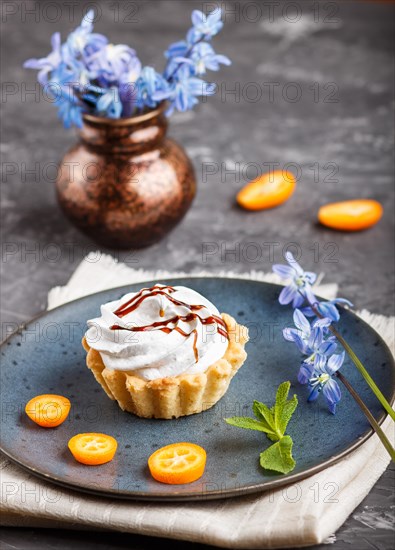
87 74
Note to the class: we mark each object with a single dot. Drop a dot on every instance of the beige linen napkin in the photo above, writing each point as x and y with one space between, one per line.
302 514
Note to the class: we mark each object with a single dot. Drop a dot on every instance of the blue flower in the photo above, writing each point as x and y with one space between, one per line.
127 94
69 111
321 381
63 77
302 333
205 26
151 88
312 341
184 91
190 58
105 100
46 64
114 63
82 42
320 362
109 104
327 309
175 54
69 106
317 349
76 70
117 66
71 55
91 94
62 89
177 49
197 55
299 288
203 57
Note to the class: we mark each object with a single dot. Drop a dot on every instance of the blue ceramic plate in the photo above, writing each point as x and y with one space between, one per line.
46 357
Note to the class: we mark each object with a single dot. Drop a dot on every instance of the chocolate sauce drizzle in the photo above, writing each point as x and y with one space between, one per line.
138 299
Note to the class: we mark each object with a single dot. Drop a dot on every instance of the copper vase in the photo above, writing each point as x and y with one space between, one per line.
125 184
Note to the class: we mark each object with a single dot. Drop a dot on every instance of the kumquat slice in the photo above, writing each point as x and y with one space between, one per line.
267 191
177 463
92 448
48 410
353 215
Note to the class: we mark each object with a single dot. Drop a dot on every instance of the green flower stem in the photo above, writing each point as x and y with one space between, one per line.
385 441
365 374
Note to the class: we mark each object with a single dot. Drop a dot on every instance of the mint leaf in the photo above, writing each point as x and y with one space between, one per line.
264 414
273 421
282 394
287 412
284 409
281 399
278 457
248 424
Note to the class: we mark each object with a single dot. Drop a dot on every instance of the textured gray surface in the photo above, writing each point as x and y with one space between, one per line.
338 135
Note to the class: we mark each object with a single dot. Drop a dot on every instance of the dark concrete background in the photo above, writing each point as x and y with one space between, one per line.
337 136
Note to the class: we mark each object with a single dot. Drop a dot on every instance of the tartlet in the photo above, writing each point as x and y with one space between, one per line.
172 396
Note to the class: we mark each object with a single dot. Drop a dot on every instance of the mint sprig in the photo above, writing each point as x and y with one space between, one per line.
278 457
273 422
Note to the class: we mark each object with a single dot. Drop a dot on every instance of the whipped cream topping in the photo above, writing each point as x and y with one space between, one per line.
159 332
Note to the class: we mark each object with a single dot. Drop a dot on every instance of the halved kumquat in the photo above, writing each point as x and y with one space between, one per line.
93 448
267 191
177 463
352 215
48 410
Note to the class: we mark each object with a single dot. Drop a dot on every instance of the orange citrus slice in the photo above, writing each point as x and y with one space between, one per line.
177 463
267 191
352 215
48 410
93 448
